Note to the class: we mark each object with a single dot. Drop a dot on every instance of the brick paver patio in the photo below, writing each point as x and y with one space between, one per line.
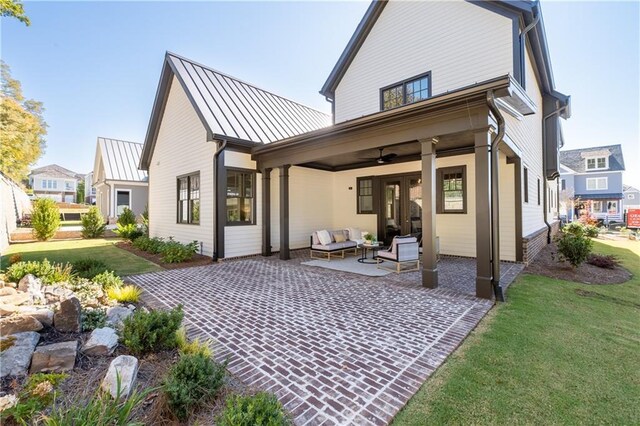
336 348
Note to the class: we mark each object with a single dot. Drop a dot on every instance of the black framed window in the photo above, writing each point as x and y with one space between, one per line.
241 199
452 190
365 195
526 185
406 92
538 191
189 199
563 184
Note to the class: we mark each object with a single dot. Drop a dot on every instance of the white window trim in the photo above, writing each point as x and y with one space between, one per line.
606 163
115 199
595 180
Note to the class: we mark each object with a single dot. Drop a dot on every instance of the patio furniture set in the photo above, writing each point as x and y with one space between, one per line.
403 255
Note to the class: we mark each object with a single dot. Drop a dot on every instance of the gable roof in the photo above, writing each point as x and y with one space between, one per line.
575 158
229 108
55 171
529 11
120 160
629 188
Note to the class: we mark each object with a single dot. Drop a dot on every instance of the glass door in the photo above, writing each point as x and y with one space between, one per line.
392 214
415 207
401 208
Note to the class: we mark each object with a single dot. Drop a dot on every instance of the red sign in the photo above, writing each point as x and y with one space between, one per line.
633 218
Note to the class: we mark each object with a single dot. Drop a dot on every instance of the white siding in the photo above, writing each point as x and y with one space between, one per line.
181 148
459 42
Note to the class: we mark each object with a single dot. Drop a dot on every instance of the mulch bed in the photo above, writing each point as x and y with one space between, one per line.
547 264
196 260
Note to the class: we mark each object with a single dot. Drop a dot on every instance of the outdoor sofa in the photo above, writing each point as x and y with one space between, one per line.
326 244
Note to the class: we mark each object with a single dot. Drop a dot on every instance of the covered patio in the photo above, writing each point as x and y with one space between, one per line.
463 122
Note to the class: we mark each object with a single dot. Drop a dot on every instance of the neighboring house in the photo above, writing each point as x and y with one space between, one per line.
631 197
89 189
55 182
435 129
592 180
117 180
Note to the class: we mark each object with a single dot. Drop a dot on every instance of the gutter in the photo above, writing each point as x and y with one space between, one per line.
221 147
545 201
495 197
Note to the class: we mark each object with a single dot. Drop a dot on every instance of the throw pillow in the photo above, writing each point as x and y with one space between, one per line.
354 234
339 237
324 237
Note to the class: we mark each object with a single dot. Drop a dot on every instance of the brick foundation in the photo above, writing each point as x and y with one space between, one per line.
533 243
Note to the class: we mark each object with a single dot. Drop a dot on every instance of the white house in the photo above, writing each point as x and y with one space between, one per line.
89 189
117 180
446 129
56 182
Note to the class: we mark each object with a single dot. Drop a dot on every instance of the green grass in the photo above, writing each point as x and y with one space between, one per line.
122 262
71 223
547 356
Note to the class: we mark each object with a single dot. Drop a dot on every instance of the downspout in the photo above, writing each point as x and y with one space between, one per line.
544 168
495 198
523 34
221 147
333 109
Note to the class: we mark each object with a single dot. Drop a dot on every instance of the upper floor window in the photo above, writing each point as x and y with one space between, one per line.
630 196
597 163
597 183
406 92
68 186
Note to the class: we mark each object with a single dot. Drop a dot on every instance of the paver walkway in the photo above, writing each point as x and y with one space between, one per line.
336 348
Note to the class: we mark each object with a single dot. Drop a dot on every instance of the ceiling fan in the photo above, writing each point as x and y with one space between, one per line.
382 159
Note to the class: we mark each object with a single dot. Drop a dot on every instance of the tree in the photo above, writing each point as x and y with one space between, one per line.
80 193
14 9
45 218
22 127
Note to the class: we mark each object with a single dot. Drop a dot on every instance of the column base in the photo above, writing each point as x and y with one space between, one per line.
430 278
284 255
484 289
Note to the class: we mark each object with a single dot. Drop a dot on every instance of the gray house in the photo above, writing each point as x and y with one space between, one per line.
591 182
631 197
117 180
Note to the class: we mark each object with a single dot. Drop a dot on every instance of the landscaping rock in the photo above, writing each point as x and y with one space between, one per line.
67 318
54 358
7 401
42 314
117 314
102 341
126 368
6 309
15 359
12 285
56 293
7 291
14 299
19 324
33 287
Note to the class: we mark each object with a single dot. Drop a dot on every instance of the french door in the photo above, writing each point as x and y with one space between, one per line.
400 207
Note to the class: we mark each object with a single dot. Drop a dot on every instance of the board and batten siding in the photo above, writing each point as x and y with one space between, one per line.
458 42
181 148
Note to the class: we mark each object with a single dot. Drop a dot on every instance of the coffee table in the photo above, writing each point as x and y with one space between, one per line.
369 247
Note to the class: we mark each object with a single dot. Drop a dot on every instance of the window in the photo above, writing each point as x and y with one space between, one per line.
563 184
189 199
538 191
406 92
597 207
594 184
123 200
68 186
526 185
365 195
241 197
452 191
612 207
597 163
44 184
630 196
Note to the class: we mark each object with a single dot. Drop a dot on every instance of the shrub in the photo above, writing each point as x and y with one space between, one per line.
93 224
591 231
49 273
145 221
127 217
125 293
45 218
194 378
129 231
192 347
175 252
89 267
575 228
108 279
588 220
38 393
574 247
150 245
145 332
93 318
89 293
15 258
603 261
261 409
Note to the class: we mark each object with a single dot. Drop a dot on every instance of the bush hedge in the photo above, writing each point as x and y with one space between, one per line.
261 409
146 332
45 218
93 224
574 246
49 273
170 250
89 267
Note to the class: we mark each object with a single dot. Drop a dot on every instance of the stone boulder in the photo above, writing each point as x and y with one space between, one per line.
67 317
6 310
14 299
54 358
117 314
54 294
42 314
7 291
19 324
126 368
33 287
16 354
102 341
7 402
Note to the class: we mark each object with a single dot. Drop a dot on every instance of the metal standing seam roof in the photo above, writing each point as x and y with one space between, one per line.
235 109
120 160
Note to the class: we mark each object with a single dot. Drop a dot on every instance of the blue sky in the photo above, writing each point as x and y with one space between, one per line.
96 65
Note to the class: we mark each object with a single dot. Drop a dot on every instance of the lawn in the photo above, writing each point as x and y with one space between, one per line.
121 261
556 353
